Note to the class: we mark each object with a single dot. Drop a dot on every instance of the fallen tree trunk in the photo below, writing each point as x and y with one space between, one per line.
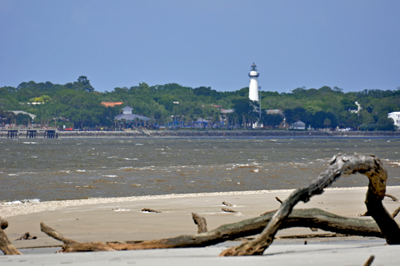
368 165
298 218
5 245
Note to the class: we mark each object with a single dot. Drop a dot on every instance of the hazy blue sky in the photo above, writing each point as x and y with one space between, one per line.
351 44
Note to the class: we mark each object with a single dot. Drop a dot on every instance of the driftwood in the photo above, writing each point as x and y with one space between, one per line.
228 210
227 204
279 200
26 236
5 244
298 218
368 165
369 260
392 197
201 223
394 214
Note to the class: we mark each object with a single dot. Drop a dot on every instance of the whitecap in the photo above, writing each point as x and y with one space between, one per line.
80 171
13 202
110 175
131 159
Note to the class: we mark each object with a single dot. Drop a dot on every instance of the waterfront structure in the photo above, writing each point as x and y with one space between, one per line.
253 86
299 125
396 118
128 116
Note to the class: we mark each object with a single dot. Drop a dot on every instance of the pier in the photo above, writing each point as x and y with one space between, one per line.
50 134
31 134
12 134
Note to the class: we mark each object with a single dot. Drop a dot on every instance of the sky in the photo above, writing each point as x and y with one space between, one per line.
350 44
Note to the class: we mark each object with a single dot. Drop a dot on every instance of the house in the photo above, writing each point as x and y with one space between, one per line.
396 118
299 125
128 116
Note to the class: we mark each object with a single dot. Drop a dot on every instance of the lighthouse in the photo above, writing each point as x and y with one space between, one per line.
253 87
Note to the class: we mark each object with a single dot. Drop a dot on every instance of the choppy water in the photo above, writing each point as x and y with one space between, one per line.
53 169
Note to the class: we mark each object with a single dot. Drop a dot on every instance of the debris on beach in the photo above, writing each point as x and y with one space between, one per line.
279 200
228 210
201 223
150 210
227 204
26 236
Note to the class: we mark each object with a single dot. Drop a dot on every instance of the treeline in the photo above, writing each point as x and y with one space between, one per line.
78 104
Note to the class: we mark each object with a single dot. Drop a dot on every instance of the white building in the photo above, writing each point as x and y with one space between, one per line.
253 86
299 125
396 118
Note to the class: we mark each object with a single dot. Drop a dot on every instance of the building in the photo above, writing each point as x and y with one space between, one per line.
299 125
396 118
253 86
128 116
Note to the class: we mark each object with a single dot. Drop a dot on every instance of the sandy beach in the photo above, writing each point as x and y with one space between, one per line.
122 219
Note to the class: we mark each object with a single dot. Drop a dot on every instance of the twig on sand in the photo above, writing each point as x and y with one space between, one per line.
279 200
369 260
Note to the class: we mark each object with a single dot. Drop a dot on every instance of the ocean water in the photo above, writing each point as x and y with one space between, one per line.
59 169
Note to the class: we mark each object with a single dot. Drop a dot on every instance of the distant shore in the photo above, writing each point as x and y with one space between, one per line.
22 133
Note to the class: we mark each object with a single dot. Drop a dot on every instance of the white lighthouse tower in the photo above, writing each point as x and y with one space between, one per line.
253 87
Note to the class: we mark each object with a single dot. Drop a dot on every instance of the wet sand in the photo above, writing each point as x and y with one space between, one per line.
122 219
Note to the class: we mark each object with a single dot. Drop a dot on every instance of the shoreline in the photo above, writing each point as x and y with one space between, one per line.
204 134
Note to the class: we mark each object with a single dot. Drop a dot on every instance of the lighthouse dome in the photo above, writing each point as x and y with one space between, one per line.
253 71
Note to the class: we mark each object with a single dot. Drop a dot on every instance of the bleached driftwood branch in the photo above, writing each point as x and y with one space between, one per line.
368 165
298 218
